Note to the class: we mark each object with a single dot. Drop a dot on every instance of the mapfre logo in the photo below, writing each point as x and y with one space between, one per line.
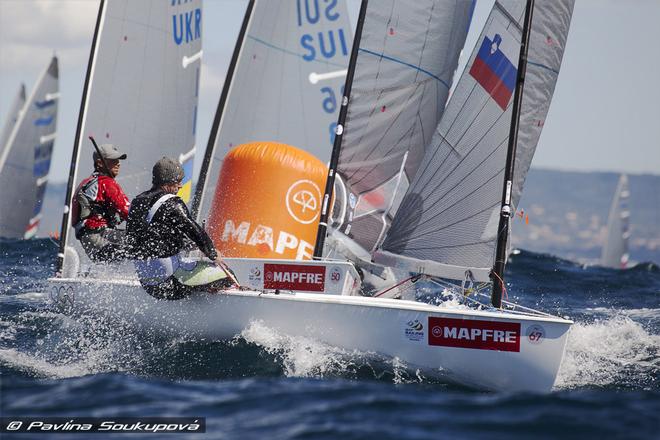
294 277
477 334
303 201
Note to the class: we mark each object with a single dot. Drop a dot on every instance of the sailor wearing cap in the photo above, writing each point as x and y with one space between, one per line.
160 228
99 206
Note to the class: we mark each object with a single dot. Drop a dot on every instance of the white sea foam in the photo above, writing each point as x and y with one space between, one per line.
39 366
301 356
66 347
307 357
610 352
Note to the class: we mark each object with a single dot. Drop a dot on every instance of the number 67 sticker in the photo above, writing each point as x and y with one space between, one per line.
535 334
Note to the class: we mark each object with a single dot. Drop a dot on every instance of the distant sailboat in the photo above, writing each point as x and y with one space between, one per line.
615 250
26 154
140 93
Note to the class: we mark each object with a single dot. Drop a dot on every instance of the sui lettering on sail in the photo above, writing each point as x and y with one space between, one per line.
324 44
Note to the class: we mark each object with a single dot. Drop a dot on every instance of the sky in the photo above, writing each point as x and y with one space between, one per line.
605 114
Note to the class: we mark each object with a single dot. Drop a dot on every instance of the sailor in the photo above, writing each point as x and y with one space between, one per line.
160 229
99 206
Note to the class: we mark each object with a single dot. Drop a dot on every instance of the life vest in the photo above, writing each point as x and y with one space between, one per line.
88 205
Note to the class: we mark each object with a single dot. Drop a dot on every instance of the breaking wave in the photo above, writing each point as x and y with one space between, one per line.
616 351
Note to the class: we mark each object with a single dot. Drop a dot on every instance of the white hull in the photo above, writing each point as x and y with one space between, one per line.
378 325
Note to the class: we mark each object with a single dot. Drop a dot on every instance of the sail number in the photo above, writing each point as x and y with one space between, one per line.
326 43
186 26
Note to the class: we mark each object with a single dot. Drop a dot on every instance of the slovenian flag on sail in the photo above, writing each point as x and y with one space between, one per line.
494 71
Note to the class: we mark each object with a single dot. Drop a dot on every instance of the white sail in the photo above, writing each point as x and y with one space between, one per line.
407 57
615 249
25 159
284 85
141 93
12 116
447 223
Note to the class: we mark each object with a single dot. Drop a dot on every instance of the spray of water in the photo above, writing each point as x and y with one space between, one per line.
615 351
306 357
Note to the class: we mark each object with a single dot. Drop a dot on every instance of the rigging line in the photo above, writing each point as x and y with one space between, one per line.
290 52
391 125
419 235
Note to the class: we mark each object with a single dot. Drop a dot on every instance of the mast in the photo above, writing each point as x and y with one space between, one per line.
497 274
76 146
210 146
336 148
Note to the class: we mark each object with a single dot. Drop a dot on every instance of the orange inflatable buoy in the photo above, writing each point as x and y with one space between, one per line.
267 202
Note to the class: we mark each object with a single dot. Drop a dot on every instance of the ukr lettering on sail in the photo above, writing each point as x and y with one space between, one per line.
187 26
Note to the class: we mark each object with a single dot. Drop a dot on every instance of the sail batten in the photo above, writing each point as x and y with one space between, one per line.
451 211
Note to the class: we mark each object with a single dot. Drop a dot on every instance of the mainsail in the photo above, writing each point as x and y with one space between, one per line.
12 116
447 223
403 71
25 158
284 83
140 93
615 250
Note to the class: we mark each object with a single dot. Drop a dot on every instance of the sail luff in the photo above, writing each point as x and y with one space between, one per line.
336 150
75 154
505 210
12 117
200 190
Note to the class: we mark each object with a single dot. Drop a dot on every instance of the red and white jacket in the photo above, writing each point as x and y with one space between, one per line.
107 203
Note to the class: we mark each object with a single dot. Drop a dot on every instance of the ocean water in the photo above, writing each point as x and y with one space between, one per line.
272 386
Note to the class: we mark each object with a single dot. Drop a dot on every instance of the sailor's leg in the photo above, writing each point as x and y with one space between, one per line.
105 245
93 244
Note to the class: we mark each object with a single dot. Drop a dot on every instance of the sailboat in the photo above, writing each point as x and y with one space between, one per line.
25 153
615 250
496 348
140 93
